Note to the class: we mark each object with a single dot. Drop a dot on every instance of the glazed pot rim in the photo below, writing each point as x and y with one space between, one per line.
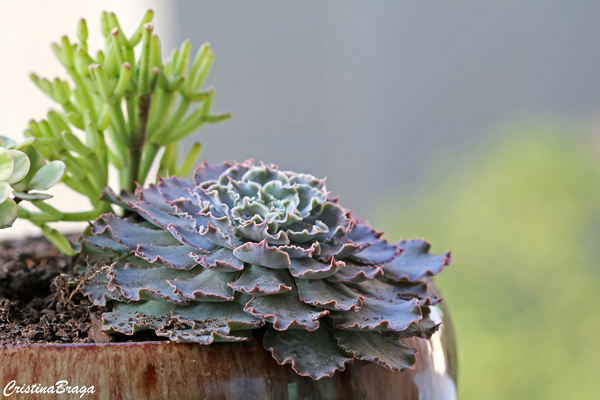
87 345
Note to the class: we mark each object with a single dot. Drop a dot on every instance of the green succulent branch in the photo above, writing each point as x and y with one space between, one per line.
121 110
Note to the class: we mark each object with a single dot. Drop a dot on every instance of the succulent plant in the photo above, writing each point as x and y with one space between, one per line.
23 173
119 108
246 246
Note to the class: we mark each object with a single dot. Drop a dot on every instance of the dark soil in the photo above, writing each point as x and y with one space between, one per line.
38 297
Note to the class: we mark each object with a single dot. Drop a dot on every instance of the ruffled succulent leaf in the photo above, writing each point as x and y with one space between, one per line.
215 235
96 288
177 256
174 188
424 329
209 285
262 254
328 295
221 260
160 218
236 172
149 284
378 252
379 315
260 281
362 233
373 346
260 231
188 209
300 251
338 249
313 354
301 232
152 195
99 294
284 311
415 262
129 318
352 273
191 238
216 317
397 291
191 336
124 199
130 234
334 217
309 268
92 244
206 172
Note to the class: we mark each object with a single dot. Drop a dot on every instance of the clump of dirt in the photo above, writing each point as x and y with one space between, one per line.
39 302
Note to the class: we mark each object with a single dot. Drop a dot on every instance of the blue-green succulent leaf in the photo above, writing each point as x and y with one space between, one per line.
397 291
21 166
128 318
7 164
47 176
160 218
8 213
284 311
378 348
5 190
190 336
174 188
149 284
352 273
415 262
206 172
262 254
216 317
221 260
260 281
191 238
7 142
378 252
188 209
338 250
152 195
124 199
328 295
309 268
129 234
208 285
177 256
424 329
32 196
216 236
379 315
315 354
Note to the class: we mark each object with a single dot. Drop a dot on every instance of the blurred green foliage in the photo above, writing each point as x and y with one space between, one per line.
522 220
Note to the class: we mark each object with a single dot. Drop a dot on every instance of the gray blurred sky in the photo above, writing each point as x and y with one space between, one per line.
369 94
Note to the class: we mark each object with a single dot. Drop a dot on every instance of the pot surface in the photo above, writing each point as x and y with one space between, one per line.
166 370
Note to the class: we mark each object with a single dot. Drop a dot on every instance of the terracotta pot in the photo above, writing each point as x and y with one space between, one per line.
165 370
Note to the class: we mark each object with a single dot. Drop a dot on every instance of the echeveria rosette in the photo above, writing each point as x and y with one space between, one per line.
246 246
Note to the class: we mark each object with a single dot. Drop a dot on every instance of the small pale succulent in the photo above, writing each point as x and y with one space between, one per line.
20 173
245 247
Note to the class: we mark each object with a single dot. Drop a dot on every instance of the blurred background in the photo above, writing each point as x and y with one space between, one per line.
473 124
